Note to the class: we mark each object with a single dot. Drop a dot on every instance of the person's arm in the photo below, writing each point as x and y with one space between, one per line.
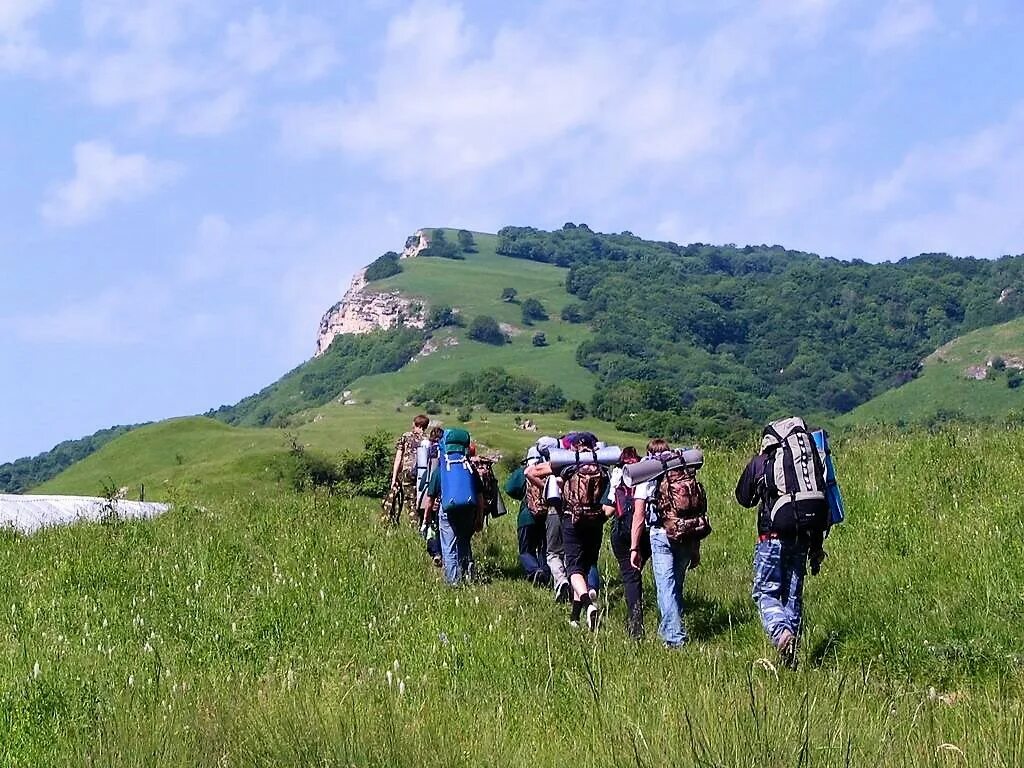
397 465
748 492
639 523
538 473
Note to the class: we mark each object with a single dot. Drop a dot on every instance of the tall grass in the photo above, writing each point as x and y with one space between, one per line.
294 630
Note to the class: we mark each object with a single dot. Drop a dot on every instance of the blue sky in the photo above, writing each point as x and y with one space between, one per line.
186 186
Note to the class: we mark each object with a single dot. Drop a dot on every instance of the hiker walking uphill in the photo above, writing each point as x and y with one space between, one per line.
786 480
672 506
456 486
581 485
531 524
404 468
429 511
619 506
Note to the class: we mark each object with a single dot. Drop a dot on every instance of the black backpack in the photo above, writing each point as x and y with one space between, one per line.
794 476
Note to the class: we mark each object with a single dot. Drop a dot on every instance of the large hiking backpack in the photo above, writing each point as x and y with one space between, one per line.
794 475
456 474
583 489
682 505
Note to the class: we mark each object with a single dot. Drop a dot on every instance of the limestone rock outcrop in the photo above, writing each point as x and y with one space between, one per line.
362 311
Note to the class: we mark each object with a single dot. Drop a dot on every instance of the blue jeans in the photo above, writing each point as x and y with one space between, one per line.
456 529
533 552
669 561
778 585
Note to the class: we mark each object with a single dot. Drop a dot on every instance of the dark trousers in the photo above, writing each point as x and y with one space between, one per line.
533 552
632 582
582 541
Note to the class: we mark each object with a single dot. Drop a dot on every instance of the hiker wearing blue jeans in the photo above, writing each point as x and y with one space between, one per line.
778 586
669 559
456 527
781 555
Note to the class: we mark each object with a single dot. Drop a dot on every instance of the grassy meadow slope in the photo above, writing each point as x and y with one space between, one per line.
474 286
943 389
280 630
213 461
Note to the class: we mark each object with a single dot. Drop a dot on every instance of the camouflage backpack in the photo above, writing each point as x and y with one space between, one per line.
683 505
583 489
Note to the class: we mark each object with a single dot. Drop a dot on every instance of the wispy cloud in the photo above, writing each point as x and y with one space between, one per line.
450 102
102 178
900 23
948 194
189 64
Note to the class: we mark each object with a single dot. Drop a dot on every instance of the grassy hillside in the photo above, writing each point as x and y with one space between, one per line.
474 286
214 461
283 630
943 389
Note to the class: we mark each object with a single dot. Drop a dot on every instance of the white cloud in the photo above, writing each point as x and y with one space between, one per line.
962 195
292 46
14 14
449 103
102 178
900 23
188 64
19 49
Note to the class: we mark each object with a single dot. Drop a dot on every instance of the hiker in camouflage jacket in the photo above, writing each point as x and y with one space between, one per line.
404 468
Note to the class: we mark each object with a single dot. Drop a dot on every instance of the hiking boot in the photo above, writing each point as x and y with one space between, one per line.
437 560
562 592
593 594
787 648
592 617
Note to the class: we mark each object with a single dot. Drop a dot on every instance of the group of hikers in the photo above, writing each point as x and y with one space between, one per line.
570 487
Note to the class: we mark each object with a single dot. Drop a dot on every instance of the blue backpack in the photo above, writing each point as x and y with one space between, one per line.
458 481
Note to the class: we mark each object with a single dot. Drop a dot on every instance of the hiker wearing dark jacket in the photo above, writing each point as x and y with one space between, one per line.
781 555
619 506
530 528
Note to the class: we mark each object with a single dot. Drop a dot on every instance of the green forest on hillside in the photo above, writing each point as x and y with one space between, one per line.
704 340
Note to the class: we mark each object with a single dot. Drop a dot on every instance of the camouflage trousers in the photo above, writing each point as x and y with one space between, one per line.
778 585
410 495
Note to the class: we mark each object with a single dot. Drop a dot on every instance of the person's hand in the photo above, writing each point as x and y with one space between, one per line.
817 557
635 560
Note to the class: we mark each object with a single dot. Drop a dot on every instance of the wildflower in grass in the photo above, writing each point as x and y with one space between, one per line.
401 687
389 677
35 670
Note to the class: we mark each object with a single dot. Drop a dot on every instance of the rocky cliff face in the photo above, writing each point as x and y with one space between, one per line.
362 311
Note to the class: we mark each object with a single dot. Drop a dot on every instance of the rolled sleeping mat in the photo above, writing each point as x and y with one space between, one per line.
648 469
561 458
837 510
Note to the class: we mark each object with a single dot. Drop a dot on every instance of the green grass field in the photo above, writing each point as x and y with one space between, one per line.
275 630
943 388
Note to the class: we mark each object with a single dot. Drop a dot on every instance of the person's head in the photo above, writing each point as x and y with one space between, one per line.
656 446
421 422
436 433
580 441
629 455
